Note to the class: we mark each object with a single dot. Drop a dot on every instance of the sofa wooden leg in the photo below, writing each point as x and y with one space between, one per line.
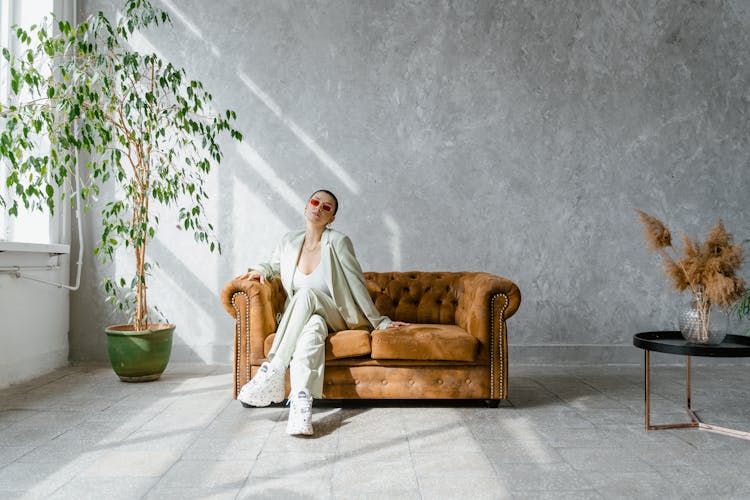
492 403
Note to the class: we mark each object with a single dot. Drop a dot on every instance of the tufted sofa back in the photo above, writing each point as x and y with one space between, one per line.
418 297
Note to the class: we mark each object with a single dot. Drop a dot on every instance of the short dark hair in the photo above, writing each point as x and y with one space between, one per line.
336 208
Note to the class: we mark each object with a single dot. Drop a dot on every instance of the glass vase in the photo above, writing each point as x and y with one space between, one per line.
702 323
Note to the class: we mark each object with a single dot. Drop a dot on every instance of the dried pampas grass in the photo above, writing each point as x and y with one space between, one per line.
709 268
657 234
676 273
717 239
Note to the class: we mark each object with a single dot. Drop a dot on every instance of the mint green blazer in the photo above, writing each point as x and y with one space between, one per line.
343 276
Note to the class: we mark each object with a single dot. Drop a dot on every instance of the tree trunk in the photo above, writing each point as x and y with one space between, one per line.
140 221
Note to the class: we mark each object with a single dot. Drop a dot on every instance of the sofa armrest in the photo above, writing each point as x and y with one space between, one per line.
485 298
254 308
258 296
485 302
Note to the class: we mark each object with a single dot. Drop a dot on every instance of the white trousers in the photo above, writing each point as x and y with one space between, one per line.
301 335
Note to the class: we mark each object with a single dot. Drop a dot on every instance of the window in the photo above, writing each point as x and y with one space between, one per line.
28 227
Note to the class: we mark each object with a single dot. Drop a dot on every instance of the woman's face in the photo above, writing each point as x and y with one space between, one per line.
319 210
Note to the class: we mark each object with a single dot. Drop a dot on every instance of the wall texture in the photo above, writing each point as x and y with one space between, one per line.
34 317
512 137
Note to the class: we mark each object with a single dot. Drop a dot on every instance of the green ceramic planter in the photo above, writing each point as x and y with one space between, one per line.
139 356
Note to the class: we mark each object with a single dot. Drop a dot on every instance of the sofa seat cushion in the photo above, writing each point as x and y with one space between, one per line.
424 341
343 344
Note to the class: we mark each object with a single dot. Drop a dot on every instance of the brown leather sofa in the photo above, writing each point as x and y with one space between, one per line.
456 346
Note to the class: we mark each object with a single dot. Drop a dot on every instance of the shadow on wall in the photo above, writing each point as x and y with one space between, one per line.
469 136
187 284
264 176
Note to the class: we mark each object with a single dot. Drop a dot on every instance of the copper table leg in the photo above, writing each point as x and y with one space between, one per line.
695 421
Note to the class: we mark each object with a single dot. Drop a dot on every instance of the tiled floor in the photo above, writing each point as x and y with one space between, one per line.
566 433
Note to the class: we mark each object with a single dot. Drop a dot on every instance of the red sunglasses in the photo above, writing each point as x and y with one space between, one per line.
323 206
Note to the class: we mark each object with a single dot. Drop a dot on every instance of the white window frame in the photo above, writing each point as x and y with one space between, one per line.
58 225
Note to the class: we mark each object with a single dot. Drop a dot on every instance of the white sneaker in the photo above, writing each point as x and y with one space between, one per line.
300 414
266 387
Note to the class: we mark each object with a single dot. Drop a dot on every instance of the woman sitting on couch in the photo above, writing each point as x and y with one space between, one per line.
326 292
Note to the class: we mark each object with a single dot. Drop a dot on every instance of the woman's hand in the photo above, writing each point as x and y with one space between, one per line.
396 324
252 275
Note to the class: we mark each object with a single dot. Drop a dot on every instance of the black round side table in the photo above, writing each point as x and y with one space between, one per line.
733 346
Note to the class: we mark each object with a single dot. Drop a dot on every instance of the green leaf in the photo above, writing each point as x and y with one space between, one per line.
159 114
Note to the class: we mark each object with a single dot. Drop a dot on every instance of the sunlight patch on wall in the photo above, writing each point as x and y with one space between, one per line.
394 240
189 253
256 229
180 16
303 136
178 303
268 174
140 43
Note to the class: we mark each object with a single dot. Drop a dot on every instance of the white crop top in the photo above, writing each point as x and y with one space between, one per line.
315 279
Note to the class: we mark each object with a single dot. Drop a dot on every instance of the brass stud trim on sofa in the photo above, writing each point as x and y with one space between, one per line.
238 336
501 361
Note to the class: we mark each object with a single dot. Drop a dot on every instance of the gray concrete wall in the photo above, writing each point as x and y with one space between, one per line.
510 137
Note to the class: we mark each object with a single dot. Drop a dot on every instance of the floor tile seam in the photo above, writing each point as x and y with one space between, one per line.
526 491
498 443
185 448
37 383
70 479
309 452
538 385
345 493
148 420
557 401
261 448
555 451
490 452
333 458
155 485
335 455
37 447
493 465
584 382
18 459
408 438
243 491
576 410
477 477
216 414
628 467
606 492
266 477
62 432
578 475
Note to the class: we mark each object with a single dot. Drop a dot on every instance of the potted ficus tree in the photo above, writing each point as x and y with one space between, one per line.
142 126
